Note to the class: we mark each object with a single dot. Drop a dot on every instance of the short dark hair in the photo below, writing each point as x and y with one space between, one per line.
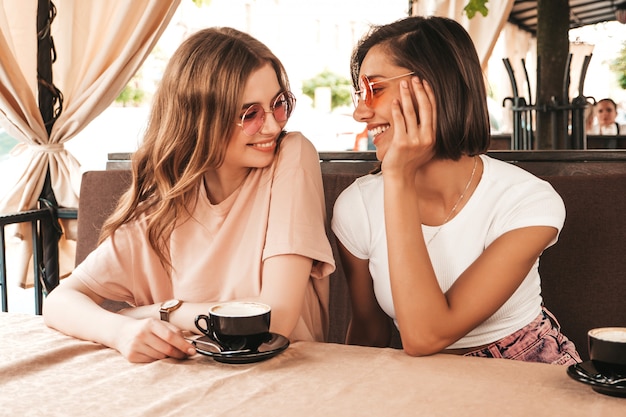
609 100
440 51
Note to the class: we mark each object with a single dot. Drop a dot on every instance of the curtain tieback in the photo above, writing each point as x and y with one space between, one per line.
49 147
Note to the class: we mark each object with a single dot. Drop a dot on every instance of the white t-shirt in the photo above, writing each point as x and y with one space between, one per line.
611 130
506 198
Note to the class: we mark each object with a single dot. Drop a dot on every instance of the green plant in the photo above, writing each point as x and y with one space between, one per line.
131 94
202 3
339 87
474 6
618 66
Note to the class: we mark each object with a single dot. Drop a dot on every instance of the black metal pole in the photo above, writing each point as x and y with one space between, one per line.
579 104
50 108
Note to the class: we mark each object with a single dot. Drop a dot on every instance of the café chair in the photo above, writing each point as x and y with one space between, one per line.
37 219
99 194
336 177
45 232
584 274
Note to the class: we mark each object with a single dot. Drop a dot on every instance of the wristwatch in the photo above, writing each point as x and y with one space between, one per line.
167 307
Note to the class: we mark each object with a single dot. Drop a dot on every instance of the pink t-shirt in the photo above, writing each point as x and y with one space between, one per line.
218 253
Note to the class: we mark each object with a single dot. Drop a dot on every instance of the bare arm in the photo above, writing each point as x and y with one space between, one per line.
74 309
429 319
369 326
285 278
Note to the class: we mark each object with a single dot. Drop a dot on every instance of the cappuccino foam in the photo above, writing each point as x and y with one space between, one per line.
610 334
239 309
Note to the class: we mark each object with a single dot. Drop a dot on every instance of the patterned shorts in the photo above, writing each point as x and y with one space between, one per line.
539 341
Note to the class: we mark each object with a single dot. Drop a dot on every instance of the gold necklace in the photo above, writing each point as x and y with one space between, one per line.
467 186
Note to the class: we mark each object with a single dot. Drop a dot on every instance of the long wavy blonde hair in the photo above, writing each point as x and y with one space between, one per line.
192 119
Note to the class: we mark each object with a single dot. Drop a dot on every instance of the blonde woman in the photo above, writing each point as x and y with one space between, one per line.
224 205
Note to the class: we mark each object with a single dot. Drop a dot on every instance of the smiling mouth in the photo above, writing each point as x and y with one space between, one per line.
264 145
378 130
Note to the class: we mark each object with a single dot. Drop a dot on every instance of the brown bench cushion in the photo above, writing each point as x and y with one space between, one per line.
584 274
99 193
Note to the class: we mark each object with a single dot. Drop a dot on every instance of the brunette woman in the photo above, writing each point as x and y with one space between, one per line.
443 242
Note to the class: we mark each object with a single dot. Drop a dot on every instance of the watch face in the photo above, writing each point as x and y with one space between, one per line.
169 303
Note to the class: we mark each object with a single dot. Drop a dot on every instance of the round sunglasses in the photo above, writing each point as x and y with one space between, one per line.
365 92
253 118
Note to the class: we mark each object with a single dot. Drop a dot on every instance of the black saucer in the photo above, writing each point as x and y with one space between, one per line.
276 344
587 374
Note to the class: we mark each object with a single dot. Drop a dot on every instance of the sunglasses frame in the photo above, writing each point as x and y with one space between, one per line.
288 96
366 88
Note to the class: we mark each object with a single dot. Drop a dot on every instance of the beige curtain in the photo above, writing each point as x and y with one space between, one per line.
99 46
484 30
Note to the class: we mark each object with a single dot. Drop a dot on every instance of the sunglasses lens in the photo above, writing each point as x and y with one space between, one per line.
355 97
252 120
254 116
364 92
283 106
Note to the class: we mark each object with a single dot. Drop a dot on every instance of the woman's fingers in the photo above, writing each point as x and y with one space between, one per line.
414 114
399 124
149 340
425 101
408 109
171 341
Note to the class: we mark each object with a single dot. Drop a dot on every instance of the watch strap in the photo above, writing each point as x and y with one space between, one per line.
167 307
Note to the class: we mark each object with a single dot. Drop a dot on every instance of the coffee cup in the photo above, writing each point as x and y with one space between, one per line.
607 349
236 325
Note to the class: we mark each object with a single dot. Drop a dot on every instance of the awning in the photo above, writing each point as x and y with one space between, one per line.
582 13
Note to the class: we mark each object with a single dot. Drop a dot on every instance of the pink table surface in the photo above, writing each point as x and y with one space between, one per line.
43 372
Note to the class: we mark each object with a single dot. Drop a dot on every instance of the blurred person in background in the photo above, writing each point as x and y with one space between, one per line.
605 124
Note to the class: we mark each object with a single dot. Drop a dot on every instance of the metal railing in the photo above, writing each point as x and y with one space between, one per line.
42 221
525 112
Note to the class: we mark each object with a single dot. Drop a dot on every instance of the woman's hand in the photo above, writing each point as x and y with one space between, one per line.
414 124
147 340
74 309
